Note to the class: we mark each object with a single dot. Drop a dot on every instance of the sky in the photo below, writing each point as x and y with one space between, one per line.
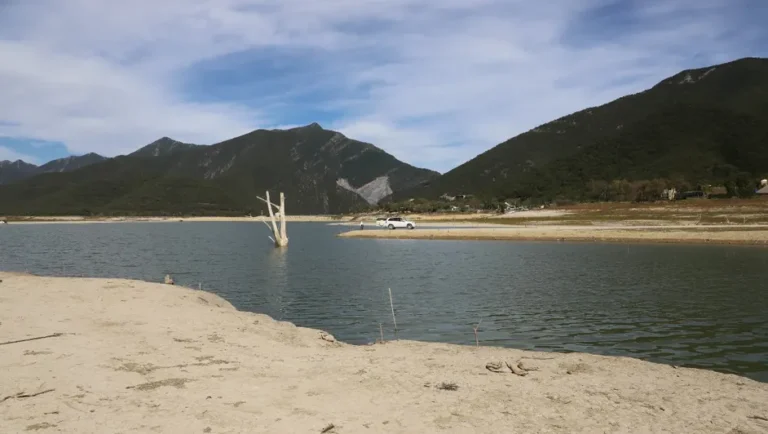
432 82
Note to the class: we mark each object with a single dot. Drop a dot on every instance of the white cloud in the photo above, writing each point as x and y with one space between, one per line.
432 82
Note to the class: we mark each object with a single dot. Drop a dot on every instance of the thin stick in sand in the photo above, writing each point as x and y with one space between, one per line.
381 331
392 305
22 395
55 335
477 342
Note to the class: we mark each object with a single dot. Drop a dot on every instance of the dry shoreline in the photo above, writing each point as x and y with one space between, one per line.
741 235
139 357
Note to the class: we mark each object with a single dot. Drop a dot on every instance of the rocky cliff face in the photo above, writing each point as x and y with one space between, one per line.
372 192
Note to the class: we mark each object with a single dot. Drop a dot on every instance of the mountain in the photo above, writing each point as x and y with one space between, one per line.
11 171
163 147
19 170
320 171
71 163
706 125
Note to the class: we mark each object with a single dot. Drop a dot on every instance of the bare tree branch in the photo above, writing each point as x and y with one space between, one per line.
268 202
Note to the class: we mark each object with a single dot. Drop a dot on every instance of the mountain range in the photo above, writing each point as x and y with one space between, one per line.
11 171
701 126
321 172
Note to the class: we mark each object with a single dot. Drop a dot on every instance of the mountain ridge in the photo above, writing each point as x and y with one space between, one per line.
521 166
163 146
167 176
19 170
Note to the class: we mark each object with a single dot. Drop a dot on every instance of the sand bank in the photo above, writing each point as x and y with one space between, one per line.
371 224
714 234
137 357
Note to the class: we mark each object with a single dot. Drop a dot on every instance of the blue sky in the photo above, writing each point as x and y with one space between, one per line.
432 82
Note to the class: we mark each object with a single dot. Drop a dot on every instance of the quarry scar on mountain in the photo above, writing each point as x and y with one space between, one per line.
373 192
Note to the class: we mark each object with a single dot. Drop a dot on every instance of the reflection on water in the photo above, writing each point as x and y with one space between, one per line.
277 273
704 306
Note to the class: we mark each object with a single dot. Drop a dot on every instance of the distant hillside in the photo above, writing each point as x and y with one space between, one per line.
12 171
320 171
705 125
19 170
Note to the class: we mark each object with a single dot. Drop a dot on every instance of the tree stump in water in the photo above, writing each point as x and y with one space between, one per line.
279 235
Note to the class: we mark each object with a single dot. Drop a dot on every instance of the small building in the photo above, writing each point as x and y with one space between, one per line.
669 194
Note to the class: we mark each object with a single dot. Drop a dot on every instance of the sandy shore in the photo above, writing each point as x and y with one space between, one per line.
371 224
714 234
137 357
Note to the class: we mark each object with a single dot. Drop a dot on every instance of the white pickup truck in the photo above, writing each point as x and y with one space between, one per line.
395 223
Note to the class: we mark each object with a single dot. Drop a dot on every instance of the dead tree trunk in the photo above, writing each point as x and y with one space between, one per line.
279 235
283 234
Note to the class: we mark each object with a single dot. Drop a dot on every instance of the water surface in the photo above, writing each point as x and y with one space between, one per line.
701 306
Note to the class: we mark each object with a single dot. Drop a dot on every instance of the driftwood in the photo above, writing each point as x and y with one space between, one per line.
524 367
22 395
279 235
494 367
55 335
515 368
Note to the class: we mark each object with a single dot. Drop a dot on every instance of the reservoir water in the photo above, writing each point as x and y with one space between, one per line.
698 306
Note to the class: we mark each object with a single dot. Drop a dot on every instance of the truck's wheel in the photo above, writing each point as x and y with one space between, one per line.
410 226
391 227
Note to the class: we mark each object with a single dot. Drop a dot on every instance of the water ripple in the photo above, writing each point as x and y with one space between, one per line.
701 306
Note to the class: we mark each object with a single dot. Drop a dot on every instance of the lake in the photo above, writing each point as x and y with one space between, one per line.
699 306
